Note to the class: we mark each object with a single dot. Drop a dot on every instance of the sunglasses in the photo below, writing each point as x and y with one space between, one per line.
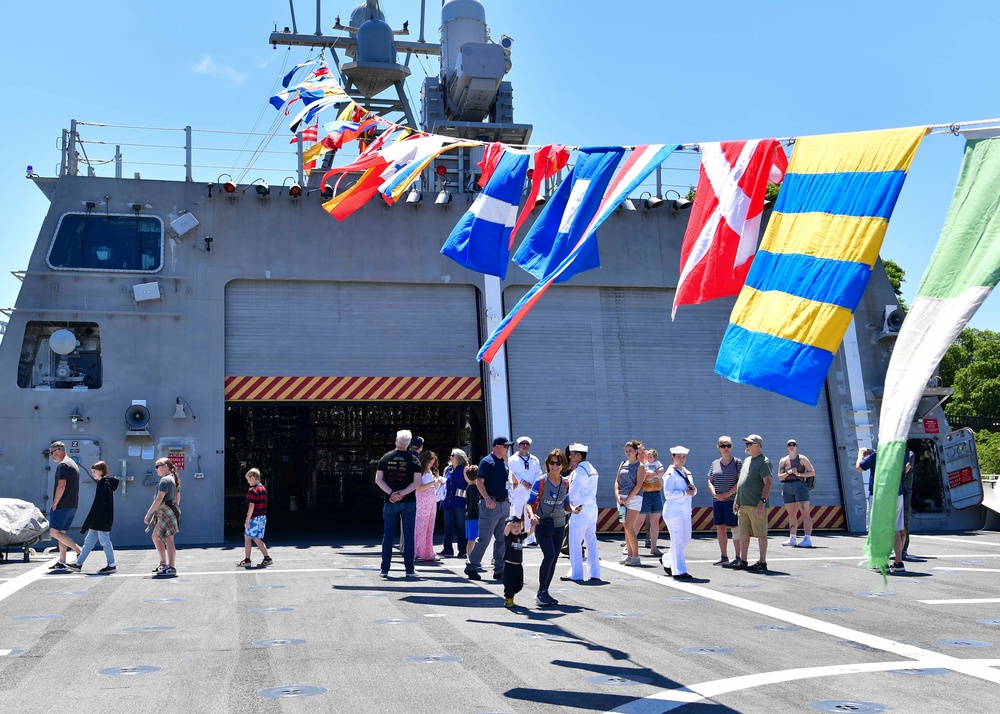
792 443
725 446
553 463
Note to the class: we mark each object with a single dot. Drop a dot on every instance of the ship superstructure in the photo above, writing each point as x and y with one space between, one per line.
245 327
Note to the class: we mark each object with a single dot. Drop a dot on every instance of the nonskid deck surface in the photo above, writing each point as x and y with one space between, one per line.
320 624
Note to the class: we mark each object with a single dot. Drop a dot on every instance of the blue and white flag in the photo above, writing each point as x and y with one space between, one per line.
481 240
567 215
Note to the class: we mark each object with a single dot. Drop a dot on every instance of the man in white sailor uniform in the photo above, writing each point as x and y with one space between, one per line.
525 469
583 525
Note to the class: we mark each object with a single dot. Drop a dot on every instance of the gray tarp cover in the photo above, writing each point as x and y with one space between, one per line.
21 523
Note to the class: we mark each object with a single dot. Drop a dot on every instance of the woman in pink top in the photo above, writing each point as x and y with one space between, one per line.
423 532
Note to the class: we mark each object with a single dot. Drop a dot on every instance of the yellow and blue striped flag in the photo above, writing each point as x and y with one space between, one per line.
815 260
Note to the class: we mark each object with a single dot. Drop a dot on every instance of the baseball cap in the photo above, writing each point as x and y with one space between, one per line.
753 439
417 441
502 441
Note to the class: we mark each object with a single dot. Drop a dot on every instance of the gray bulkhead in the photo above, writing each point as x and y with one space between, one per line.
598 361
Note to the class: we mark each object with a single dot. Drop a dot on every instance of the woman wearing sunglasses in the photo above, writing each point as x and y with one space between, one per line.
548 505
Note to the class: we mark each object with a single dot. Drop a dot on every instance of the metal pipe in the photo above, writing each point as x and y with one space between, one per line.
71 148
291 7
188 151
118 161
298 145
659 182
62 157
319 30
423 12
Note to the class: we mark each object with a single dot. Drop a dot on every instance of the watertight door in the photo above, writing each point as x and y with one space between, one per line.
961 464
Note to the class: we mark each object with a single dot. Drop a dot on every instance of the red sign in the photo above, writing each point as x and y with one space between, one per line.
931 426
957 478
177 460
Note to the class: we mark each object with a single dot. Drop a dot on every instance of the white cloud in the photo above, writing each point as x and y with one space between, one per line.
214 69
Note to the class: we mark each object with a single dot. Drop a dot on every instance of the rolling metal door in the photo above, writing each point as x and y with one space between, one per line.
299 328
604 365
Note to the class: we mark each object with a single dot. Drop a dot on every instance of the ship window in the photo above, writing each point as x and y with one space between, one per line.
107 241
60 355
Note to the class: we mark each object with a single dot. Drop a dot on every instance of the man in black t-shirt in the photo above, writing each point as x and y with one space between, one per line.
65 500
398 476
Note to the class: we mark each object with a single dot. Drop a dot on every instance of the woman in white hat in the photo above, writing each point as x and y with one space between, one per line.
678 490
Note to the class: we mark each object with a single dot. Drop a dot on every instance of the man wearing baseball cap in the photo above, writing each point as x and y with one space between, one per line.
494 510
751 503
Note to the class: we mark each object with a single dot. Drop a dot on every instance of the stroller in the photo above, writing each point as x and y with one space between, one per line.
21 525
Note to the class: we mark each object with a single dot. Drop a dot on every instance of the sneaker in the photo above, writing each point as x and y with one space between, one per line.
545 600
169 570
59 567
739 565
634 560
245 563
647 543
623 560
384 574
806 543
74 566
656 552
508 602
791 541
108 570
412 575
497 575
266 562
473 575
158 570
723 560
758 567
897 568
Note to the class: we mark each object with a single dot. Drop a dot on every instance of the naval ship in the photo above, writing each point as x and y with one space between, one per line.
226 324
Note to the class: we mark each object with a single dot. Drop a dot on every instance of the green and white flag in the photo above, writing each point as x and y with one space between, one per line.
963 271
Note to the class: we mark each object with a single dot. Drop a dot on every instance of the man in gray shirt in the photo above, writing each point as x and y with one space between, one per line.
65 500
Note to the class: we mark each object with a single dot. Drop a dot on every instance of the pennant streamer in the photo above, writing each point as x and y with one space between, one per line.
724 227
481 240
549 160
640 164
815 260
963 271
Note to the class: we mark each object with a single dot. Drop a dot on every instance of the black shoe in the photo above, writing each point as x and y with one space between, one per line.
107 570
739 565
723 561
684 576
497 575
266 562
667 570
473 575
74 566
758 567
545 600
59 567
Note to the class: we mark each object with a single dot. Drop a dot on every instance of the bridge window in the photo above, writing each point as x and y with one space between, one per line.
107 242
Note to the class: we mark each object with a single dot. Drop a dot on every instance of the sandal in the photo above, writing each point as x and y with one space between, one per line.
245 563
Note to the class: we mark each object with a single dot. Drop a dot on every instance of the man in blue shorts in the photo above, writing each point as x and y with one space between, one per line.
65 500
722 479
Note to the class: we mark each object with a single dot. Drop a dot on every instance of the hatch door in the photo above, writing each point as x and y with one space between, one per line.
961 465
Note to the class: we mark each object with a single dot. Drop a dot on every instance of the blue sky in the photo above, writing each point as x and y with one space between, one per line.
584 72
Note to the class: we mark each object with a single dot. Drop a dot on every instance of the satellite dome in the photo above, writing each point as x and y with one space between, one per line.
62 341
463 10
376 42
366 11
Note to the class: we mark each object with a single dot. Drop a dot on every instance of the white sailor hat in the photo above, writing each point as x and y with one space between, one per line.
523 438
577 446
678 450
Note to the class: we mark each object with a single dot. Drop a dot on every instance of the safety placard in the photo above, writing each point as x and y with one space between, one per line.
177 460
931 426
957 478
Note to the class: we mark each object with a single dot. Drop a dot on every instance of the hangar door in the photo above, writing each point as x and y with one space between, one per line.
604 365
320 376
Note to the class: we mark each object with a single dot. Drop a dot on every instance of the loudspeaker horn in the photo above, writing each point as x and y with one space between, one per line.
892 319
136 417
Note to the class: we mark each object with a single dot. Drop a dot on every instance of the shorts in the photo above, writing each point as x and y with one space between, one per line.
794 491
256 529
61 519
722 513
750 524
636 503
899 512
471 530
652 502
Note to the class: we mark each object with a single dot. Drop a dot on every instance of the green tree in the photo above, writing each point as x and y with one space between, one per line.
897 276
988 448
972 368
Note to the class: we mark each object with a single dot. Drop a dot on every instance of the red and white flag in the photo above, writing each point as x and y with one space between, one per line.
724 227
310 133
